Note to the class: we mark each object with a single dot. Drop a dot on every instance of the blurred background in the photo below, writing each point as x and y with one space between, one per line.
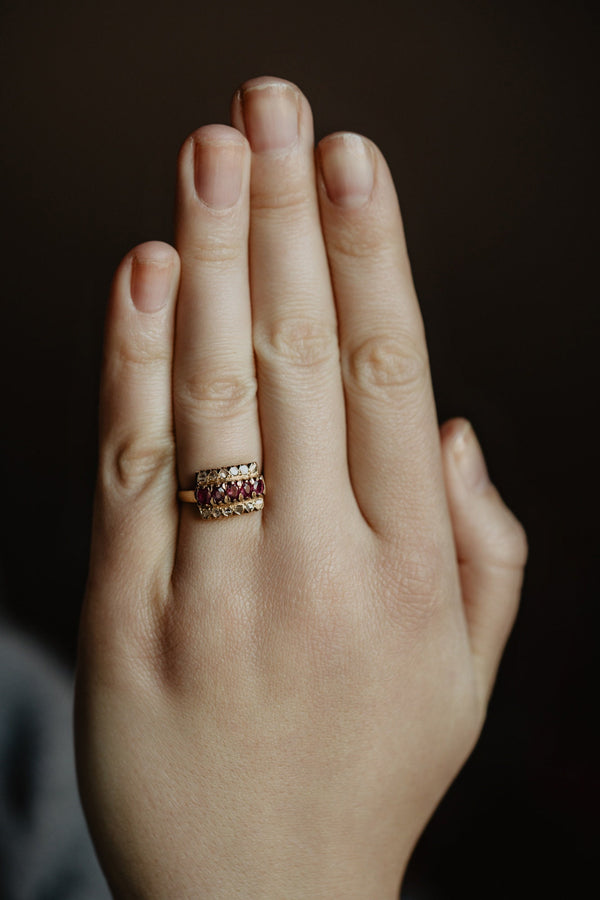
484 112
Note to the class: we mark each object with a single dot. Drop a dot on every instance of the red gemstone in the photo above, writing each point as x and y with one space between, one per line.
260 486
232 491
203 496
218 494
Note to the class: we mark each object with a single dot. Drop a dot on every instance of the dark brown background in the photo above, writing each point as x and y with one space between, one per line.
484 113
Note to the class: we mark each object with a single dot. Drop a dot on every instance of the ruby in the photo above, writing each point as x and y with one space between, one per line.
260 486
218 494
232 491
203 496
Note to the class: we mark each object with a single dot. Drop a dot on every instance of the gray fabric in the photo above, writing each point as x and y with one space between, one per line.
45 849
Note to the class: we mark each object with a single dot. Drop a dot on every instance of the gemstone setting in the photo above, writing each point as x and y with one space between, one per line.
229 491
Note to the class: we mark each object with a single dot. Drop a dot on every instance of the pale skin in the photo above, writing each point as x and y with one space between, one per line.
272 705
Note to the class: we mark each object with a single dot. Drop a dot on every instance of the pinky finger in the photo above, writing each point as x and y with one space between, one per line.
491 548
135 516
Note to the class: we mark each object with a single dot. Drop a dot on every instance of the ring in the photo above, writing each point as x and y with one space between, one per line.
229 491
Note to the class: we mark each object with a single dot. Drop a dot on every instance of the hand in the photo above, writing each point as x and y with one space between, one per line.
272 705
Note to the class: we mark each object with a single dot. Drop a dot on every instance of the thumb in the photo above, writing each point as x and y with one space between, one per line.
491 548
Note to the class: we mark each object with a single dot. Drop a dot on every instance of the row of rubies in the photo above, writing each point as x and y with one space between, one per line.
231 509
229 491
232 473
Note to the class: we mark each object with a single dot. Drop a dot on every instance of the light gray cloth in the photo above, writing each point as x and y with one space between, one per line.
45 849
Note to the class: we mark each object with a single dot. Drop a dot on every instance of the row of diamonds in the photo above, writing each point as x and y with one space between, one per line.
233 509
229 492
220 476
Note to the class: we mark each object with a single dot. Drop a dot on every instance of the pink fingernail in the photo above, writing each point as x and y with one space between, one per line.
150 283
271 115
470 460
347 167
218 172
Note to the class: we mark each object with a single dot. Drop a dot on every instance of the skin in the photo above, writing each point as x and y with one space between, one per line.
272 705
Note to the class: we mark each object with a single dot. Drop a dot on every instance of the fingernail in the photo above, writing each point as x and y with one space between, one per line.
271 115
469 460
150 283
218 172
347 167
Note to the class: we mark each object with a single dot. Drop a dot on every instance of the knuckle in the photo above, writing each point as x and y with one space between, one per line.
510 545
382 364
325 621
216 394
135 462
298 341
349 243
215 249
286 196
141 351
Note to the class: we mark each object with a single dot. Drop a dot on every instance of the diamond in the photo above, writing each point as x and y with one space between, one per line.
234 470
253 467
243 470
259 503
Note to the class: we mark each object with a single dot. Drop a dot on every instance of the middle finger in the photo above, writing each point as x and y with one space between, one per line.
301 397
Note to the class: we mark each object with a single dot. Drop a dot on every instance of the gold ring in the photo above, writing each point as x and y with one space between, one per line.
228 491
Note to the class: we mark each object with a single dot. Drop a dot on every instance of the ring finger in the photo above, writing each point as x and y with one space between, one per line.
215 411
